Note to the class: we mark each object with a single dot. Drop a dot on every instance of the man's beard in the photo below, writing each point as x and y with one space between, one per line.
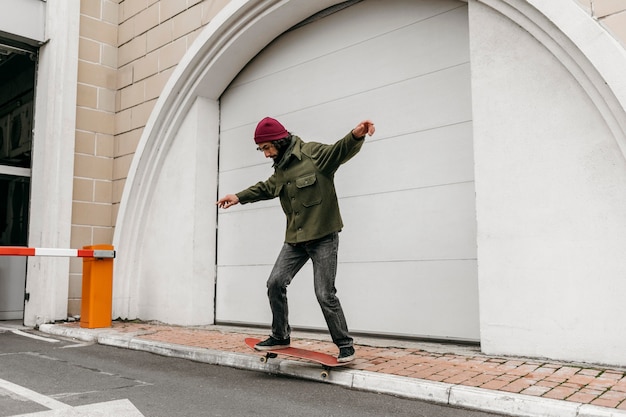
281 149
279 156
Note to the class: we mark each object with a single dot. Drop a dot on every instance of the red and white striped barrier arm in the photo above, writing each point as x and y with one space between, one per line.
72 253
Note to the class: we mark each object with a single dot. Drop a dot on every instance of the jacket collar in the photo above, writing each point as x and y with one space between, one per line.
295 149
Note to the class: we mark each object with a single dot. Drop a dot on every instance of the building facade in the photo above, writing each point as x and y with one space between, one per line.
487 208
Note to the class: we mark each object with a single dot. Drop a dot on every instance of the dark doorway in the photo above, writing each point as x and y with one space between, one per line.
17 86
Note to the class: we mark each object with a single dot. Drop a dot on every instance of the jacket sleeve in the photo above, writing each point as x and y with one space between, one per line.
263 190
328 158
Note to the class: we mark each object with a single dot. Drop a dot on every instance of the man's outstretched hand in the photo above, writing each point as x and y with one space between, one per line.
227 201
366 127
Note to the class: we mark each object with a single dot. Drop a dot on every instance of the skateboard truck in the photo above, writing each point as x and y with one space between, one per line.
271 355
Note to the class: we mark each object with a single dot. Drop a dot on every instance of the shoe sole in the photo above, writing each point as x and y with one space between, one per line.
346 359
267 348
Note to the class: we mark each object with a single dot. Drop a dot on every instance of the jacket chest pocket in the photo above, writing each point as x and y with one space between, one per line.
309 193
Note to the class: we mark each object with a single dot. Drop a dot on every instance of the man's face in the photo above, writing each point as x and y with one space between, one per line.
268 149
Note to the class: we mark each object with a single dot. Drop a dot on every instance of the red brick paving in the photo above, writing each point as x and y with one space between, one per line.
586 384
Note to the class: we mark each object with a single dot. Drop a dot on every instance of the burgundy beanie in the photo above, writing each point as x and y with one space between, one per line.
268 130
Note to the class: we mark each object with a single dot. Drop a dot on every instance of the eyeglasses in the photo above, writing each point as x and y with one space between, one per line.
265 147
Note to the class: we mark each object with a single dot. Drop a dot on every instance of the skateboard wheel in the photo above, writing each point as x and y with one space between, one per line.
324 374
263 359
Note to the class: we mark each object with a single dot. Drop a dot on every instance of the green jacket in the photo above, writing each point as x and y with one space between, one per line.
305 185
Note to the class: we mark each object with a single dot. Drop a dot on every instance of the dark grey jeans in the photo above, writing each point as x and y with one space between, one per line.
323 254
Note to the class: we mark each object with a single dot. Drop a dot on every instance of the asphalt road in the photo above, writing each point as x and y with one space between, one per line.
55 377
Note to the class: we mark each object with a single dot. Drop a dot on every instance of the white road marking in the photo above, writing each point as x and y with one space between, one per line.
34 336
58 409
33 396
109 409
78 345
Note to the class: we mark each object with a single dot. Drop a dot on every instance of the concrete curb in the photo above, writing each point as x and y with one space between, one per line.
417 389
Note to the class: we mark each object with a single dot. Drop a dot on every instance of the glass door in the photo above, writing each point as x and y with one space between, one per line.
17 83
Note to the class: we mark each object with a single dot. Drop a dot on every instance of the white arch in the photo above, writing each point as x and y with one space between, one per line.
587 50
229 41
245 27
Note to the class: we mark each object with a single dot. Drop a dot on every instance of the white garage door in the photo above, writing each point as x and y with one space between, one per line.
407 252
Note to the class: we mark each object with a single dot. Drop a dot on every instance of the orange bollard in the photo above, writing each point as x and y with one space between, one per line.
95 309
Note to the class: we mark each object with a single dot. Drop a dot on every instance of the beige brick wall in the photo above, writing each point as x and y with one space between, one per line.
610 13
95 130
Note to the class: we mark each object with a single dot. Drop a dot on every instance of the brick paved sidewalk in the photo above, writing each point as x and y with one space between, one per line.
586 384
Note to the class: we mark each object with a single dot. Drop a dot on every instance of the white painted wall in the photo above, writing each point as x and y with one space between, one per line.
551 192
178 285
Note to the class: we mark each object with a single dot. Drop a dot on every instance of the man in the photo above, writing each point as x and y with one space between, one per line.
303 179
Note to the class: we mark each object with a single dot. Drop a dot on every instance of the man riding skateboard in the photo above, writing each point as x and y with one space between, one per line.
303 179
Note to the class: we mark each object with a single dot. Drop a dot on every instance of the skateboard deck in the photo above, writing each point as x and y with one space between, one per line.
327 361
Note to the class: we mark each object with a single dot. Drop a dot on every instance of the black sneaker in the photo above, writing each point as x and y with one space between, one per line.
272 344
346 354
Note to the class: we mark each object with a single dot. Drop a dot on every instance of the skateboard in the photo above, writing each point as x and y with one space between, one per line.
327 361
